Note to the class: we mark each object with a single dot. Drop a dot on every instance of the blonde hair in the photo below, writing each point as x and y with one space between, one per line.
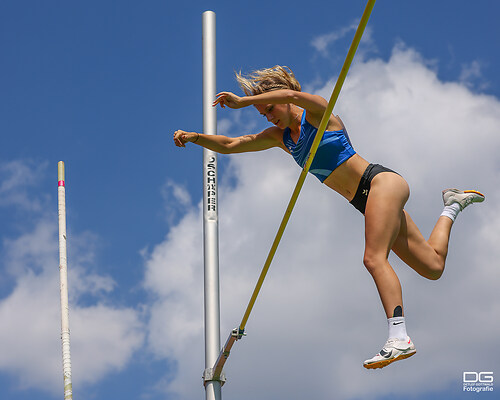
268 79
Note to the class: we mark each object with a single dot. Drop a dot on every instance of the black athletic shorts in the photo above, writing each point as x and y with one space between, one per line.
359 200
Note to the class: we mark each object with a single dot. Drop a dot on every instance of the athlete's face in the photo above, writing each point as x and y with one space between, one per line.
277 114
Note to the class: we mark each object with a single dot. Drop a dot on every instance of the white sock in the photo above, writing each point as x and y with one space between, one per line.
397 328
451 211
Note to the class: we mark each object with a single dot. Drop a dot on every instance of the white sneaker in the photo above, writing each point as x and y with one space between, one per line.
462 197
393 350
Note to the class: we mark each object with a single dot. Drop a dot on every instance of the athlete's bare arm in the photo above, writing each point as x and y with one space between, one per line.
268 138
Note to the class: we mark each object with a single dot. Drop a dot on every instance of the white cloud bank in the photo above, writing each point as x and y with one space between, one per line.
318 316
103 336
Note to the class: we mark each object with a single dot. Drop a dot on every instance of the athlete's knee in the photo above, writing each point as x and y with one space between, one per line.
373 262
435 271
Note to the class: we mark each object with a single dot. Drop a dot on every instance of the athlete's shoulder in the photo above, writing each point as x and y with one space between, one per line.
274 134
272 131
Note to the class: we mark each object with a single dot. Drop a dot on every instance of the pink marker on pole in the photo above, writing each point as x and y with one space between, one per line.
60 173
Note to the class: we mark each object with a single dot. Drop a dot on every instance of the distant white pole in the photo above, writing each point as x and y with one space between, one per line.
63 277
210 214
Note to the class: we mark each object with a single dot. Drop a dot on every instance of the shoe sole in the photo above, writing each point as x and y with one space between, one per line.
463 191
385 363
474 191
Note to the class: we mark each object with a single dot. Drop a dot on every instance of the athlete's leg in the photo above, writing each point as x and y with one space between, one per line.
383 217
388 195
426 257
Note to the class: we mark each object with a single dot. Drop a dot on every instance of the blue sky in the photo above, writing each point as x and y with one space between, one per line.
103 86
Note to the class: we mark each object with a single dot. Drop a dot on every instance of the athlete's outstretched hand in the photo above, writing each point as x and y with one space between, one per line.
228 99
182 137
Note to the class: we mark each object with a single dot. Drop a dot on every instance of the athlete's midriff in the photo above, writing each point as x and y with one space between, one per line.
346 177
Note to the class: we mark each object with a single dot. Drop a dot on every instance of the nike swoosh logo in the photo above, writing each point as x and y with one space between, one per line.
397 323
404 350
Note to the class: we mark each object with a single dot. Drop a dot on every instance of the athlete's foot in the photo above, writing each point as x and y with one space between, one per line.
462 197
393 350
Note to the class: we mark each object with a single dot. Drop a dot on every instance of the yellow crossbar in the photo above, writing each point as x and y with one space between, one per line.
312 153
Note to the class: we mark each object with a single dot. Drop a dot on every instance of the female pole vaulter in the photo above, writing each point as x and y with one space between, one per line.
379 193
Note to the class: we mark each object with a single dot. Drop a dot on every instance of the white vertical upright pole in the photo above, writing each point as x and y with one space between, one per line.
210 214
63 277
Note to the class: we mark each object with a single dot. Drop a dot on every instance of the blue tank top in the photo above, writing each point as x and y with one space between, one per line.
334 149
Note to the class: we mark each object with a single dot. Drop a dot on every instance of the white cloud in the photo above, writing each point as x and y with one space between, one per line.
176 199
103 336
104 339
323 44
472 77
472 70
318 316
176 318
15 178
